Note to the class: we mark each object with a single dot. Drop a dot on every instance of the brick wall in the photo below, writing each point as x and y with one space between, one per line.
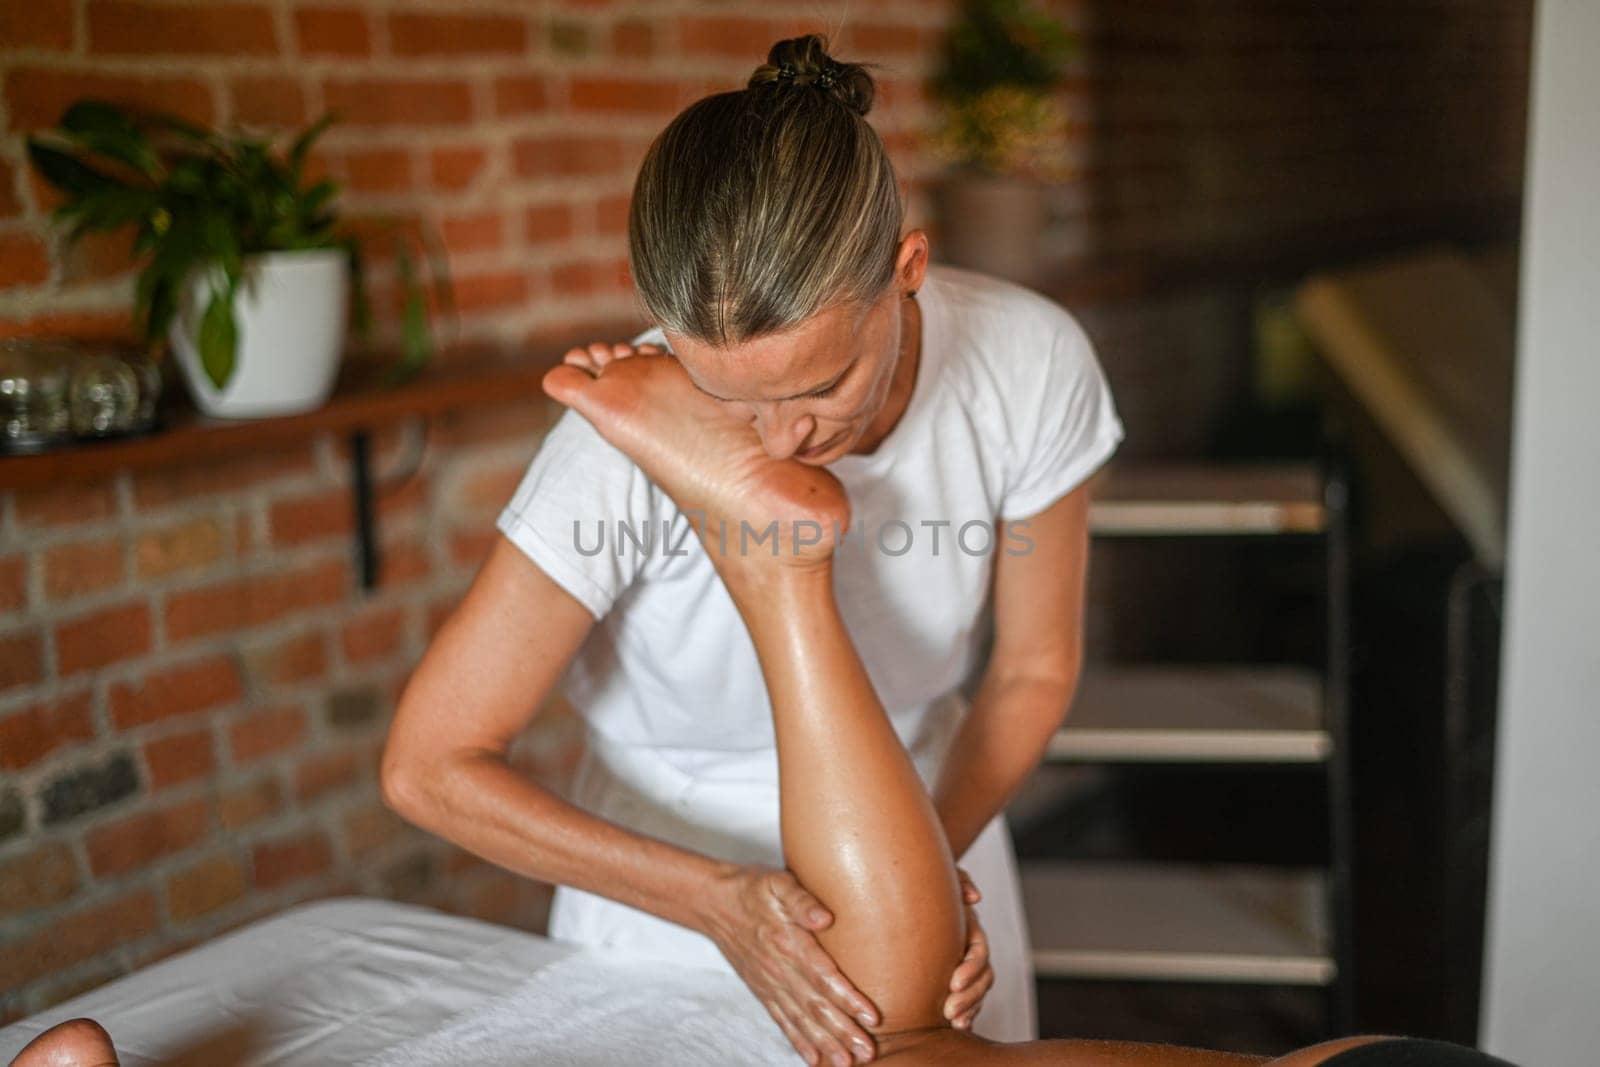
193 690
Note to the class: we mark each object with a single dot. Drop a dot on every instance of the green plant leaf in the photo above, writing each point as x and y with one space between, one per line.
109 130
302 144
218 336
69 174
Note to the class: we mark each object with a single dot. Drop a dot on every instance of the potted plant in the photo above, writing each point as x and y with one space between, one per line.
245 272
1002 131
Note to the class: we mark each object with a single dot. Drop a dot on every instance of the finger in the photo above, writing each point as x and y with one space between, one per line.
601 352
968 971
650 348
968 1000
826 975
799 905
807 1050
856 1040
829 1048
620 351
969 889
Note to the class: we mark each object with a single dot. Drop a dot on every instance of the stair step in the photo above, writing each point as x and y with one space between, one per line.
1186 714
1200 499
1178 922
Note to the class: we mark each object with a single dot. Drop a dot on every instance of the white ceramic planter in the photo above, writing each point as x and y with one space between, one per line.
290 311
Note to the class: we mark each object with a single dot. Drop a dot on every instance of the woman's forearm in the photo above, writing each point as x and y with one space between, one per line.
479 802
999 743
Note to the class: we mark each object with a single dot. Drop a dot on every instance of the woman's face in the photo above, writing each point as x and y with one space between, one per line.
813 391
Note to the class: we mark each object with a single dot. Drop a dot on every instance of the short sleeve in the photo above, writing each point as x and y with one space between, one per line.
1065 425
567 509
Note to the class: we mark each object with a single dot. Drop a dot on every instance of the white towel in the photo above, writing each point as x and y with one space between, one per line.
596 1009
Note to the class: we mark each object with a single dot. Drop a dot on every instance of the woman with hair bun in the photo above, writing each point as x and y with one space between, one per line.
962 414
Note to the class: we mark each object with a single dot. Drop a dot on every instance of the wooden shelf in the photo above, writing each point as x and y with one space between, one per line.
455 380
1177 922
1206 714
1206 499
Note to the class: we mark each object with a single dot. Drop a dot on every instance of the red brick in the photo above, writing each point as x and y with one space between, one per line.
371 827
86 325
139 840
456 168
375 634
416 34
212 883
241 806
469 548
285 860
634 38
210 480
743 38
490 291
81 935
13 582
255 600
191 687
10 199
325 773
887 38
626 96
489 490
185 547
60 505
39 877
24 259
392 102
297 520
32 732
97 256
38 98
263 733
611 215
268 101
82 567
521 94
548 223
179 758
376 170
295 659
471 233
557 154
103 637
574 279
404 562
41 24
131 28
332 31
21 659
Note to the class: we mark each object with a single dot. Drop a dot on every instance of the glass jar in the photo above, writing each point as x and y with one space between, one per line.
34 380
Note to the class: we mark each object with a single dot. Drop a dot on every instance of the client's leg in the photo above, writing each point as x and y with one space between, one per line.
859 829
74 1043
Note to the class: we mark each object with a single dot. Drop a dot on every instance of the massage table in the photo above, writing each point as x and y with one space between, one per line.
373 983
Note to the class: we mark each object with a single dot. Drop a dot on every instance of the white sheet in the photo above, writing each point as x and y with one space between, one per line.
372 982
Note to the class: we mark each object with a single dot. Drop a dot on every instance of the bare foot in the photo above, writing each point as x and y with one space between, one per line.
758 510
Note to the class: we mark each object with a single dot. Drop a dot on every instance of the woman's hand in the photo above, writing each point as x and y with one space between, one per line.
974 977
765 923
594 356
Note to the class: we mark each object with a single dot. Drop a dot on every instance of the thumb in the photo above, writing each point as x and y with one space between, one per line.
804 908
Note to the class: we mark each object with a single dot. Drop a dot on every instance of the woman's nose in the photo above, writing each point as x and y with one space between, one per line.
782 432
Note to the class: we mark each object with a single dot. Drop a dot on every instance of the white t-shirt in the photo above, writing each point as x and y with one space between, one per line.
1009 412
